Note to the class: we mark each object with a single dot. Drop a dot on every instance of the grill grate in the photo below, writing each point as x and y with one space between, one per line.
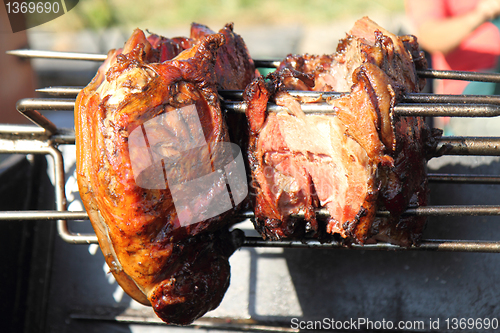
45 138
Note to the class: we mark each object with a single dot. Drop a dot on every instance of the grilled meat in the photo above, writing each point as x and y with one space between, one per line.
301 162
352 162
168 48
139 123
234 68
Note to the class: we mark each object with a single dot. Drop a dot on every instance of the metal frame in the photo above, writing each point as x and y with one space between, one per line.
45 138
19 139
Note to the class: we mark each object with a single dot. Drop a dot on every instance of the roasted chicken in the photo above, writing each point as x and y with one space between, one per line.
157 173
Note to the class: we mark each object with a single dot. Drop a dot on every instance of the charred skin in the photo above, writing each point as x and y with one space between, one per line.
376 68
182 271
234 68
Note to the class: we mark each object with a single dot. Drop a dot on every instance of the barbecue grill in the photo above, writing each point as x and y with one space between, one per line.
45 138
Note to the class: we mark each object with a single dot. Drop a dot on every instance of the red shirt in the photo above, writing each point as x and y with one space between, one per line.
477 52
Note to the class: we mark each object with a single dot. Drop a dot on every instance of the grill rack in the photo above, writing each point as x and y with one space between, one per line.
45 138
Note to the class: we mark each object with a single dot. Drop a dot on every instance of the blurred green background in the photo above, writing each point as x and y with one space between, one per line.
98 14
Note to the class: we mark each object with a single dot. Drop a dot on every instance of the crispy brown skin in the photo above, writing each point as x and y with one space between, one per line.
234 68
376 68
181 270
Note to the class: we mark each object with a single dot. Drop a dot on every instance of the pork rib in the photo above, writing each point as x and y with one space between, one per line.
357 159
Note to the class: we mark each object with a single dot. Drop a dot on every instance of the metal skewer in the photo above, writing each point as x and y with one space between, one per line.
426 245
484 146
262 63
60 91
403 109
409 98
458 75
450 110
466 210
463 178
26 53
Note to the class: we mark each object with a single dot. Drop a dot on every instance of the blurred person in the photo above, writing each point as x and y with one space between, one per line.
461 35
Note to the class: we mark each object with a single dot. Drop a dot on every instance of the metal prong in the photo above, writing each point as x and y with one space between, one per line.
36 117
446 145
55 104
25 53
459 75
237 95
420 98
447 110
478 210
262 63
453 99
484 146
403 109
426 245
60 91
43 215
463 178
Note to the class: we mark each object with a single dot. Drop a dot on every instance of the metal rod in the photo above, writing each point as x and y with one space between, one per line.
483 104
29 107
229 94
43 215
17 138
432 245
45 147
438 211
485 146
25 53
454 99
61 203
64 136
60 91
438 110
426 245
463 178
447 110
422 98
20 130
451 110
459 75
55 104
262 63
34 146
461 246
205 323
37 118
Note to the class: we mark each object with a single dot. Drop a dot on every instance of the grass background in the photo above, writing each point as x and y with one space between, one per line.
163 14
